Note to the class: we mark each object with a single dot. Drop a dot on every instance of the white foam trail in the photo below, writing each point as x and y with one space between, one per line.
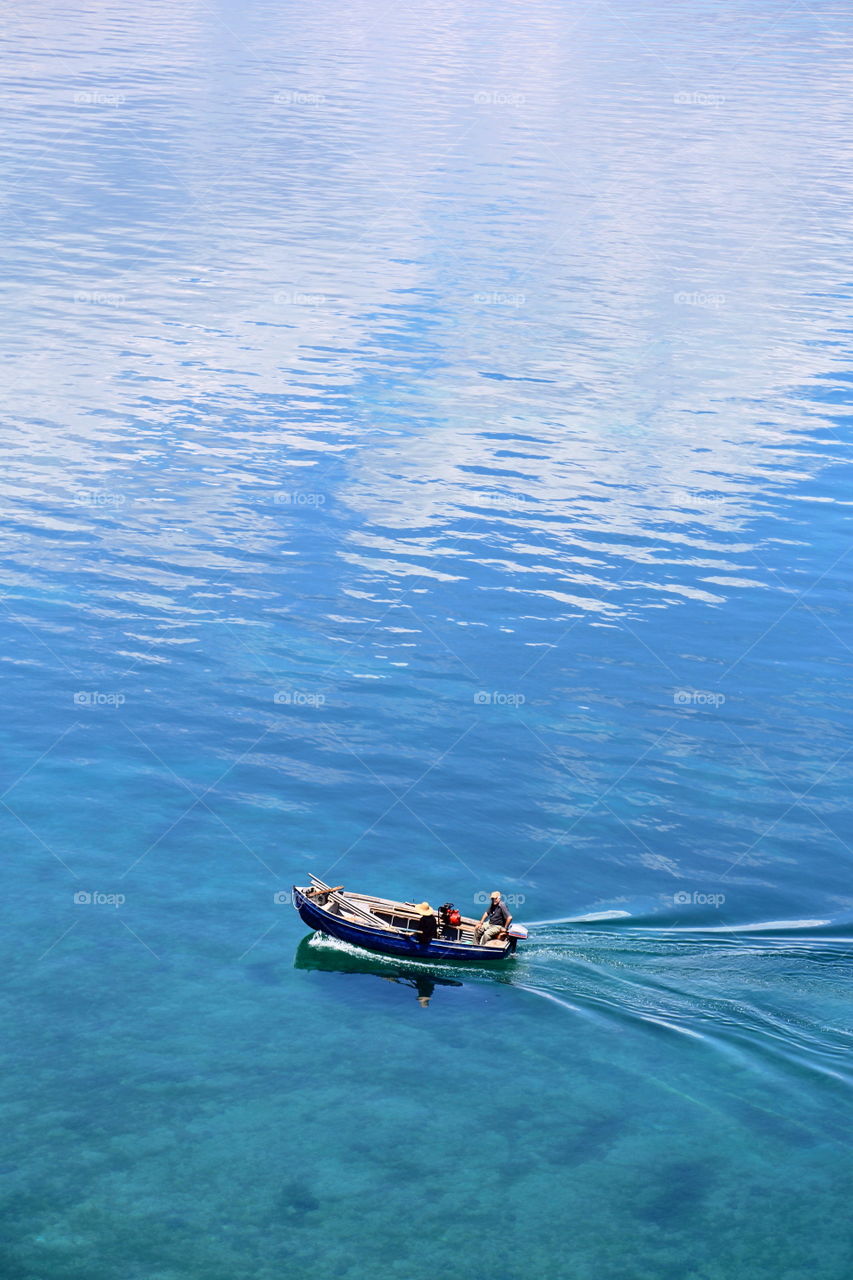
596 915
547 995
671 1026
649 926
765 924
645 1017
323 942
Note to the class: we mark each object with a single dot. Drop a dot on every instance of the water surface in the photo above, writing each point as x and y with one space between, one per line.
426 437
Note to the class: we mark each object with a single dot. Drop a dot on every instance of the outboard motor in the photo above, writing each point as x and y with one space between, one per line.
449 919
516 933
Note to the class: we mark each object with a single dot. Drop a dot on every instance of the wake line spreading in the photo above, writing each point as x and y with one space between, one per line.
653 925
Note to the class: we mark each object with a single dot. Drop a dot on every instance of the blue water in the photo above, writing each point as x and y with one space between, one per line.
426 436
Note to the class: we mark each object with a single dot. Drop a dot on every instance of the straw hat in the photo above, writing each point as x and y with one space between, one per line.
424 908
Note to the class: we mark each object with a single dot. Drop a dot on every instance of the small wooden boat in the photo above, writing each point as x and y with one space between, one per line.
381 924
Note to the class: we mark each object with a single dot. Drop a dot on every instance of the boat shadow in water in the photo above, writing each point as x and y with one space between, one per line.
334 959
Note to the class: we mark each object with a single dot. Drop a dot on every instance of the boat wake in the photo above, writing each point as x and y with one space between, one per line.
375 961
776 993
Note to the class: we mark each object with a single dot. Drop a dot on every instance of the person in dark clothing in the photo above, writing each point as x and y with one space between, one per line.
494 921
427 926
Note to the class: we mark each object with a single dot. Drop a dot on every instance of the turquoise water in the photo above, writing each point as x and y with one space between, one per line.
426 465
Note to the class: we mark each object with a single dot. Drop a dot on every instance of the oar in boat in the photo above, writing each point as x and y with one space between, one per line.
361 913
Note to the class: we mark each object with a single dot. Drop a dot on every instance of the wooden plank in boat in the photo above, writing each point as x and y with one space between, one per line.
361 915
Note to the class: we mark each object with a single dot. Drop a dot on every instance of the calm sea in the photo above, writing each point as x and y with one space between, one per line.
426 464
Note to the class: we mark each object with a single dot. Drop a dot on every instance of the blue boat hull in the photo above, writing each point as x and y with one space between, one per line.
394 943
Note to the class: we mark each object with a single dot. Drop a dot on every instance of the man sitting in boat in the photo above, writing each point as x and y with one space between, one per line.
494 921
427 925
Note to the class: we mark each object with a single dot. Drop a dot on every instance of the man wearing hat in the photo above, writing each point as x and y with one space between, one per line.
427 926
494 921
